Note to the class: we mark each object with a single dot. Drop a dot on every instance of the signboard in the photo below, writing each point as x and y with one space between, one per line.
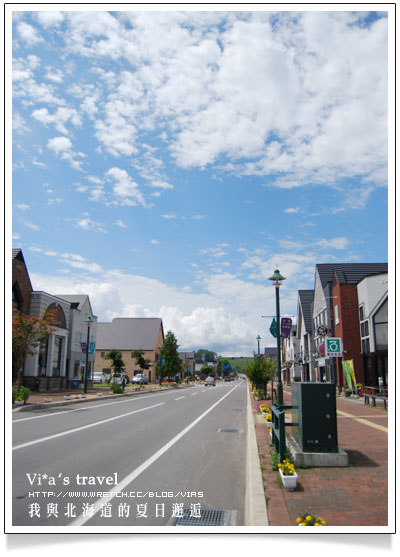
286 326
274 328
333 347
322 330
83 347
92 346
321 349
227 366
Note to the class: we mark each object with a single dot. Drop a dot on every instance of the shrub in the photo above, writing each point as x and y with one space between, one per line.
24 393
14 394
117 389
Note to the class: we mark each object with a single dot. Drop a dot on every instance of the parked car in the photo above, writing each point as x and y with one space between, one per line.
210 381
140 378
227 378
99 377
117 378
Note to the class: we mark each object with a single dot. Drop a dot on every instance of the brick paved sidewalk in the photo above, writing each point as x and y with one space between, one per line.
356 495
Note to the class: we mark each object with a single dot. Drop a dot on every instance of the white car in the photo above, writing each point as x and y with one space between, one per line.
210 381
98 377
140 378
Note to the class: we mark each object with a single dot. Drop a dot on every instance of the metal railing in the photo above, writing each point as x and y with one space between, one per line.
278 428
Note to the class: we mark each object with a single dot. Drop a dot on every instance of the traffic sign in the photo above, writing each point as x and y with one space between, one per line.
333 347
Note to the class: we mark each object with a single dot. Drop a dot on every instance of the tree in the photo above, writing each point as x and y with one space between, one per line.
260 371
207 370
116 357
141 361
204 355
28 334
171 362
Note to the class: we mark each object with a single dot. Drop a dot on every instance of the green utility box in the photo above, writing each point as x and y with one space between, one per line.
314 411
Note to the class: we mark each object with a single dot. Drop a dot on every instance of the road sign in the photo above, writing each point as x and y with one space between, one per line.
274 328
333 347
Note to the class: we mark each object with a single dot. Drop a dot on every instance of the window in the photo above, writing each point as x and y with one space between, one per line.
361 310
78 338
103 354
337 315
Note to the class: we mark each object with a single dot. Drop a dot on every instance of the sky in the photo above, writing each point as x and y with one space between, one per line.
167 162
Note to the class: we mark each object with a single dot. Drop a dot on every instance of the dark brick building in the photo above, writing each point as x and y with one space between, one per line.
21 283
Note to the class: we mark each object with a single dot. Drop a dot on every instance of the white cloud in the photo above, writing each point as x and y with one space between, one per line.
58 119
336 243
28 33
62 147
126 191
120 223
22 206
86 223
49 19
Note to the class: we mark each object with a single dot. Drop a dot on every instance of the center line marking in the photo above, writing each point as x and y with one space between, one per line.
179 398
82 519
83 427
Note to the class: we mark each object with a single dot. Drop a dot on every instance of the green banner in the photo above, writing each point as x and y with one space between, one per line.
347 373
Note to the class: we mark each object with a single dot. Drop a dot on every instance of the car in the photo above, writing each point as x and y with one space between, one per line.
117 378
140 378
210 381
227 378
98 377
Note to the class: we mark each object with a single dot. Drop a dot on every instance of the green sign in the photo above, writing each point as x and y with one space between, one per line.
333 347
274 328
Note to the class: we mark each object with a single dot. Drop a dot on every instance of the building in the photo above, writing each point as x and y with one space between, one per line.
188 362
45 370
21 283
336 314
291 368
21 294
128 334
304 335
79 327
372 293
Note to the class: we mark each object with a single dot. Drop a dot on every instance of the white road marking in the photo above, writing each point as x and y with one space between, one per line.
80 520
179 398
83 427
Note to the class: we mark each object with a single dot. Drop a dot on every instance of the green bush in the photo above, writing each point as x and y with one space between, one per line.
24 393
14 394
117 389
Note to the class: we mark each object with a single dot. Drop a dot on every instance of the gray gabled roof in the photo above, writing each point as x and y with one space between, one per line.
129 333
349 273
306 298
76 300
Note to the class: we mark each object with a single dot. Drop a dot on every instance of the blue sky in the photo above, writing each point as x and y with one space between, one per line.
166 163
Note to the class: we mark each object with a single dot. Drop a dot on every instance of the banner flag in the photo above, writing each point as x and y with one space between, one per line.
345 365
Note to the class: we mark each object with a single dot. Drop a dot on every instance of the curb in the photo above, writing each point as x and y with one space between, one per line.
255 513
41 405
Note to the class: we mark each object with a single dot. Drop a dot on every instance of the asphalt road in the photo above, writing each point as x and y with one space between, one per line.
136 461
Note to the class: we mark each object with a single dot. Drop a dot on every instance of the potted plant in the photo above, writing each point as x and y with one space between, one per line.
268 419
307 519
19 401
67 396
288 475
48 399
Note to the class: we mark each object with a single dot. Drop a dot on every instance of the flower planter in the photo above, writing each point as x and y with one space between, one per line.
99 394
67 397
19 402
48 399
269 424
289 482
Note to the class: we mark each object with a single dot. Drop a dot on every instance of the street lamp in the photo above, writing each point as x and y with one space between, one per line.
258 338
277 278
89 320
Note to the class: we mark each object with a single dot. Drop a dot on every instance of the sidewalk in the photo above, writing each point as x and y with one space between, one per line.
36 400
356 495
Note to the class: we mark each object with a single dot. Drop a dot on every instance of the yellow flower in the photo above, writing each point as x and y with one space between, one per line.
317 524
298 520
308 518
303 524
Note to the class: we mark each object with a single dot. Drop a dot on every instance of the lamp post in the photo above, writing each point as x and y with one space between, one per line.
258 338
277 278
89 320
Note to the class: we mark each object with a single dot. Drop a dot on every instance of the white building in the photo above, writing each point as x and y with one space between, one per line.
372 294
79 327
46 368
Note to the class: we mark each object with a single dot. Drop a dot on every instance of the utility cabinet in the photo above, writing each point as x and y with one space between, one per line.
314 411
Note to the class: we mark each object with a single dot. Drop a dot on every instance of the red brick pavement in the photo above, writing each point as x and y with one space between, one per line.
356 495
